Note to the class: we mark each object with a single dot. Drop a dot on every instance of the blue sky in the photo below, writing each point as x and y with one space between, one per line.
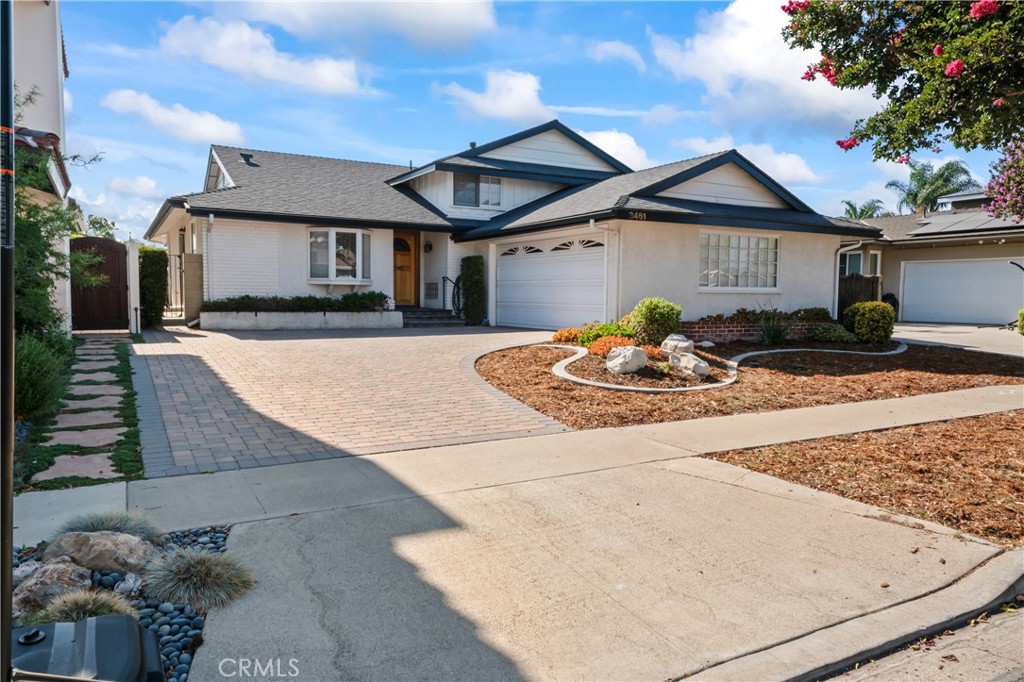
153 84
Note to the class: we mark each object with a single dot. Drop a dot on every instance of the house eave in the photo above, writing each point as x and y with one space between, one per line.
304 219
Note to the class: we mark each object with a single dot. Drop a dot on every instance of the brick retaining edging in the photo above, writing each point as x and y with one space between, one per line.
732 365
724 332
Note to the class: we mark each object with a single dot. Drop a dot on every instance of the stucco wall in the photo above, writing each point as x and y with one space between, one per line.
264 258
433 266
38 63
893 258
662 259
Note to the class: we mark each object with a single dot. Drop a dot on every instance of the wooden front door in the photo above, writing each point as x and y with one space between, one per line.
407 276
104 306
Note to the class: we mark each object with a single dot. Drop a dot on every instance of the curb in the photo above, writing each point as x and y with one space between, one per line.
831 650
731 365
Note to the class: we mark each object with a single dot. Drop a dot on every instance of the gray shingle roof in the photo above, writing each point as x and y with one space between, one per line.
316 187
915 227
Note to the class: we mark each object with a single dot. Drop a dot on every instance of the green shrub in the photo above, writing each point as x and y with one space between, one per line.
39 380
152 285
653 319
775 328
352 302
1020 321
591 334
870 321
812 315
474 290
195 576
77 605
831 333
117 521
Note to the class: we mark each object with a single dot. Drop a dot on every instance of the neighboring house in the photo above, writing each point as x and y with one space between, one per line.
569 234
40 65
950 266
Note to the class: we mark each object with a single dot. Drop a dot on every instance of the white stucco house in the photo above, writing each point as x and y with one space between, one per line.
568 233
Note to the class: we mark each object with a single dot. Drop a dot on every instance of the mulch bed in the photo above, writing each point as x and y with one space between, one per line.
967 474
593 368
770 382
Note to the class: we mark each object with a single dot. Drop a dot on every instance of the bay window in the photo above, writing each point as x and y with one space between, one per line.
350 263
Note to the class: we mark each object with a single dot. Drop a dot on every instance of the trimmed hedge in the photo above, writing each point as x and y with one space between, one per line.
870 321
352 302
747 315
152 285
591 334
653 319
39 380
474 290
831 333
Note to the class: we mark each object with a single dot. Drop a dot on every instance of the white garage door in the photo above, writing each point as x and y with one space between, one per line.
551 284
989 291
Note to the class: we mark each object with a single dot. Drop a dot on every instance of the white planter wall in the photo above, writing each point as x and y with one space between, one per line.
270 321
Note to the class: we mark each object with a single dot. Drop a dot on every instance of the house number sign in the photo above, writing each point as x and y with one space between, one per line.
638 215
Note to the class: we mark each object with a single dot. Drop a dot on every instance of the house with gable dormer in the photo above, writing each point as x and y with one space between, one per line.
569 234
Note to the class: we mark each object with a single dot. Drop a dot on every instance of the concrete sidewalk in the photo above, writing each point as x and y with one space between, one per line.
606 554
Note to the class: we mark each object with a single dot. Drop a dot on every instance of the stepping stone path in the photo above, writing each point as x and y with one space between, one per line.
91 422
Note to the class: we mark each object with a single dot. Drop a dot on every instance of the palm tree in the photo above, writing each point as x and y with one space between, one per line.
872 208
921 193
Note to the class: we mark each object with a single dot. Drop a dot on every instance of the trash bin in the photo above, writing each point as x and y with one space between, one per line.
107 648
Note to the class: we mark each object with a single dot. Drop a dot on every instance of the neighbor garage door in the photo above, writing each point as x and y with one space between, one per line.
987 291
551 284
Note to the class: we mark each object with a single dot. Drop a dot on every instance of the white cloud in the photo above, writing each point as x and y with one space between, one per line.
426 24
622 146
69 101
616 49
80 195
784 167
176 120
237 47
659 114
750 74
142 186
508 95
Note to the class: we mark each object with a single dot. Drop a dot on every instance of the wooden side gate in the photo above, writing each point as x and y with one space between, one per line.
104 306
856 288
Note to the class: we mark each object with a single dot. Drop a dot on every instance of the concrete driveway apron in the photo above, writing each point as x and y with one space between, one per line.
213 401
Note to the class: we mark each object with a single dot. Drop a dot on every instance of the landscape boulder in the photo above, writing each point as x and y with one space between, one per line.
690 363
25 570
54 578
626 359
103 550
677 343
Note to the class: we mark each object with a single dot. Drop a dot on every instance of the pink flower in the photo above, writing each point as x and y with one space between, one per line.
849 144
828 71
955 68
903 159
795 6
937 51
808 74
999 102
983 8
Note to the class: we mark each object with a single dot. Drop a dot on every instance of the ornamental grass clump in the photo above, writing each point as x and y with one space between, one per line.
77 605
603 346
206 580
116 521
775 328
653 319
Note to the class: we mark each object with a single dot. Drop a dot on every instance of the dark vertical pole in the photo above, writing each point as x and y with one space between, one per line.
6 330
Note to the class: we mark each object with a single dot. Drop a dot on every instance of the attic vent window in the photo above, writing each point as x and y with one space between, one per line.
247 160
476 190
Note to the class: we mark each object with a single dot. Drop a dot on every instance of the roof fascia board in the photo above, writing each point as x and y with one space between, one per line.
329 220
534 227
161 215
214 158
414 173
731 156
956 237
517 174
736 221
553 125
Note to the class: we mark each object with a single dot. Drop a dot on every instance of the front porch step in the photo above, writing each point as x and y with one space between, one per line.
428 317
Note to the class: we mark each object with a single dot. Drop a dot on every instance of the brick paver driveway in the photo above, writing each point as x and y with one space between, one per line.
234 400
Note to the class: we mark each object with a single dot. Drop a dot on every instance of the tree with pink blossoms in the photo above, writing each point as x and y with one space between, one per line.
1007 184
942 72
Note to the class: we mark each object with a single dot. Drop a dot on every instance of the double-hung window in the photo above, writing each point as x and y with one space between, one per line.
476 190
339 256
851 263
731 261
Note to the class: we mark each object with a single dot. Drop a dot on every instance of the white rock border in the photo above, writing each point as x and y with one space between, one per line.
732 366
